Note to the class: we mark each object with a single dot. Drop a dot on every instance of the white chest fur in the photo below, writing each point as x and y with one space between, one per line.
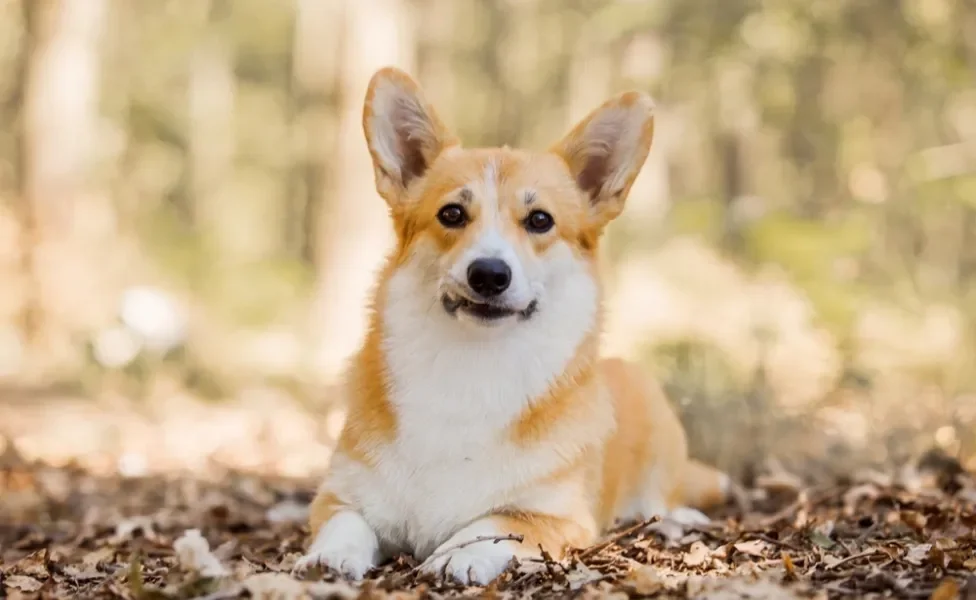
456 391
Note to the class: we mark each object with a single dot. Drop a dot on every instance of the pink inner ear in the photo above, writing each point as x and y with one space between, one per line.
412 126
591 177
413 164
600 140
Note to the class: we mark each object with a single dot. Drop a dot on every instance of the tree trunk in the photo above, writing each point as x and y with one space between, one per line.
354 233
316 57
58 137
211 133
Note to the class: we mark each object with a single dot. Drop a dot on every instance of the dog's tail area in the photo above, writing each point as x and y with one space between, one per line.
706 487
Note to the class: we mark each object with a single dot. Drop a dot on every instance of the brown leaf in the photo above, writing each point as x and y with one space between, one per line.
136 582
752 548
821 540
918 554
914 519
87 574
947 590
34 565
98 557
780 482
938 558
23 583
647 581
855 495
696 555
830 561
789 567
277 585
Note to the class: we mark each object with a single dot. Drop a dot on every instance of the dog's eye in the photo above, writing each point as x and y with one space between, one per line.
539 221
452 215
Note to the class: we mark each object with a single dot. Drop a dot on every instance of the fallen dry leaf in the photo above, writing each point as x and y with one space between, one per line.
23 583
83 574
34 565
98 557
755 548
918 554
696 555
949 589
788 566
194 554
649 580
154 537
279 586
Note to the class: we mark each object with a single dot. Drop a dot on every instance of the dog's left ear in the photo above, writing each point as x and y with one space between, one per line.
403 132
606 151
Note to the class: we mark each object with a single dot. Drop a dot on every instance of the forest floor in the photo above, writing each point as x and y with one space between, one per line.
65 532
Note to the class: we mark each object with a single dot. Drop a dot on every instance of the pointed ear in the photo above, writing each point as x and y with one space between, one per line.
402 130
606 151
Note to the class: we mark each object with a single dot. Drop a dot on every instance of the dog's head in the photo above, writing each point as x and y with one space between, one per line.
498 229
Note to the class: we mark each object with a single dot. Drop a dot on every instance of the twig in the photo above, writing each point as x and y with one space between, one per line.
852 557
805 497
512 537
617 537
775 542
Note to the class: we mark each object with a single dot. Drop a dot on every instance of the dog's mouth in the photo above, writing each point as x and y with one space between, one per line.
485 311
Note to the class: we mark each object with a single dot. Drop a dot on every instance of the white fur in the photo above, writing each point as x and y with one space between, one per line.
457 385
456 388
491 243
345 544
527 273
474 554
455 391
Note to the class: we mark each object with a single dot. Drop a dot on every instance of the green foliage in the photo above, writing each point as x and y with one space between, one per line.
812 253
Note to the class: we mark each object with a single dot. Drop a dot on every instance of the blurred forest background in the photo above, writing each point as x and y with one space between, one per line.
188 225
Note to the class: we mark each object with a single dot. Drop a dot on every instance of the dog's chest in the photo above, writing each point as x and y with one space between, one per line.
433 481
452 460
456 395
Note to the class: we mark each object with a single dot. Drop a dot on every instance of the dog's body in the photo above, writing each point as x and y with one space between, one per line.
478 406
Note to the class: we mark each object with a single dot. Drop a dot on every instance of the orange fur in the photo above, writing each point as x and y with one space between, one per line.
552 534
323 506
614 441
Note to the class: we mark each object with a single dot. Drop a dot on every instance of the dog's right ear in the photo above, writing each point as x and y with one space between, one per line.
403 132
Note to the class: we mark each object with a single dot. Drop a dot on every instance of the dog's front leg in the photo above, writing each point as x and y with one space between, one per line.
343 541
481 551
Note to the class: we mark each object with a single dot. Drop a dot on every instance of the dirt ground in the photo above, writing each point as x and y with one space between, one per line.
65 533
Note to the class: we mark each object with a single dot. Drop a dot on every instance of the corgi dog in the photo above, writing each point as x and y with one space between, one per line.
482 424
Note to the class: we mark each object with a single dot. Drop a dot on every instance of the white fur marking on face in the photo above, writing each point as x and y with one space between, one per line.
345 544
469 561
492 243
491 186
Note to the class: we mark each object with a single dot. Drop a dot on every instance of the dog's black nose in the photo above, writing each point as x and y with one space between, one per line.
489 276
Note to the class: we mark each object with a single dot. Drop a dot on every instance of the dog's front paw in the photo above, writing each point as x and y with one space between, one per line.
476 563
675 523
345 544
